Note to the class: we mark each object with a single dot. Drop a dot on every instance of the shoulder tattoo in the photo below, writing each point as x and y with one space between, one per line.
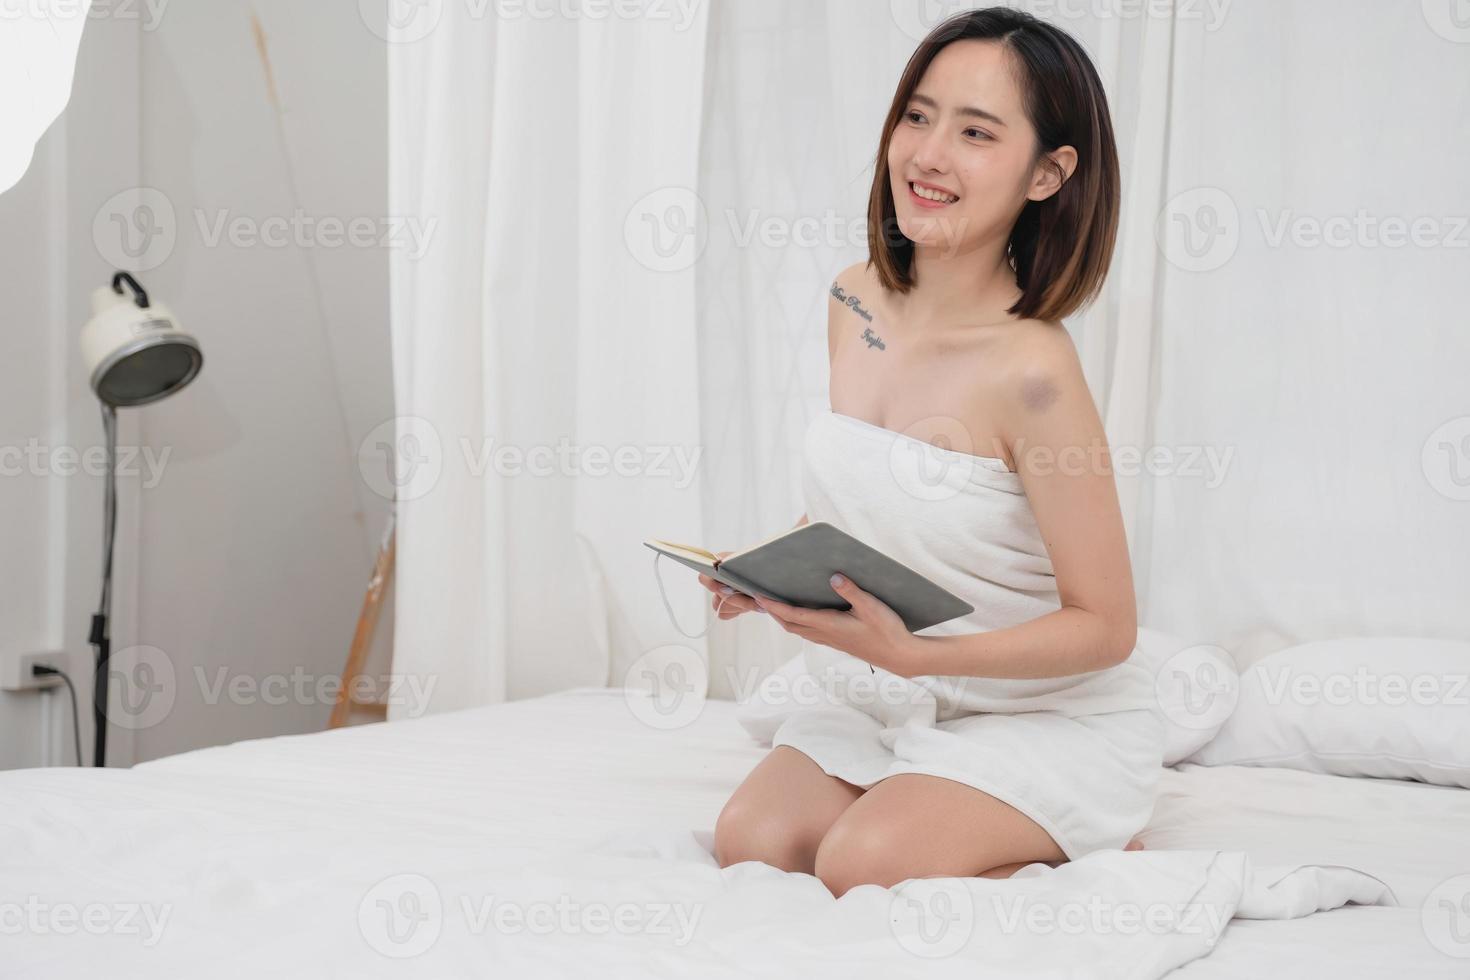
856 305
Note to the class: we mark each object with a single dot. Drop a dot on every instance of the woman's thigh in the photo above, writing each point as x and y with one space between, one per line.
781 812
919 826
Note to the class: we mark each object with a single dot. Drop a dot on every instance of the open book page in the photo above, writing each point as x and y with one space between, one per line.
689 550
697 553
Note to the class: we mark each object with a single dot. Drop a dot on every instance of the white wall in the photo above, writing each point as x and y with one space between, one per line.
249 551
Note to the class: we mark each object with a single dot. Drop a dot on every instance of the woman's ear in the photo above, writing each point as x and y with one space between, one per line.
1052 171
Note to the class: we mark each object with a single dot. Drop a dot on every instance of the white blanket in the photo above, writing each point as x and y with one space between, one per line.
1110 914
639 905
508 842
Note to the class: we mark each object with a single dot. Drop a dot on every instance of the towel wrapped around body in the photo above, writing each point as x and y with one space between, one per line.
1081 754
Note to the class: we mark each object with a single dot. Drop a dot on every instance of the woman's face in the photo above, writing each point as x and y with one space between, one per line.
965 139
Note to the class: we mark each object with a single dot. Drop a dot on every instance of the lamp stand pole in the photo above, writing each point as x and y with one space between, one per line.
98 636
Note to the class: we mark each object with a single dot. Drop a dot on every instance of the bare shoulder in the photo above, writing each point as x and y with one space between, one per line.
855 277
1042 374
850 292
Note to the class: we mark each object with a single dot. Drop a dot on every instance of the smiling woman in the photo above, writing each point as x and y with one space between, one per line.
1022 732
1036 163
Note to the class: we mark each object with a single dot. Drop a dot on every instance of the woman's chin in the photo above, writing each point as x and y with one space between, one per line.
932 240
932 231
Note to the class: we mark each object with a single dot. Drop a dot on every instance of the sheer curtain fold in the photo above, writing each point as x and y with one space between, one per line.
544 350
445 616
636 397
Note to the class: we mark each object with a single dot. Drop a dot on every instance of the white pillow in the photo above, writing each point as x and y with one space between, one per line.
1195 686
1393 708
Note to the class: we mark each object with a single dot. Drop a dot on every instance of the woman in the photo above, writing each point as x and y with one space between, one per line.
1022 732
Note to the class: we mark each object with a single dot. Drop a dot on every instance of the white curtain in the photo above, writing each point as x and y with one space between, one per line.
638 222
1314 300
546 369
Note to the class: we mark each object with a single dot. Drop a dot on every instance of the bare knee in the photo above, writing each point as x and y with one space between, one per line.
856 853
748 833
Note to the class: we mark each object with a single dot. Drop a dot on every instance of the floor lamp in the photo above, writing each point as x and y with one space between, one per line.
135 354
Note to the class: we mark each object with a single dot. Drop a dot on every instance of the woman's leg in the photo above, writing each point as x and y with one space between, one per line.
781 811
919 826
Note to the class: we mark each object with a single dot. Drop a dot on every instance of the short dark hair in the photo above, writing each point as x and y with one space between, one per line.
1061 247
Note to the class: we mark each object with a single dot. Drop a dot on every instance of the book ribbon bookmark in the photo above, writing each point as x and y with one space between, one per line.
664 596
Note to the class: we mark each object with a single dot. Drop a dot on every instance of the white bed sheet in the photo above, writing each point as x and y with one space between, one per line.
1411 835
258 826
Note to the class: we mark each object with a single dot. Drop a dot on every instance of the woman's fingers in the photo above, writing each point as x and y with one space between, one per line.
727 602
710 583
733 605
717 587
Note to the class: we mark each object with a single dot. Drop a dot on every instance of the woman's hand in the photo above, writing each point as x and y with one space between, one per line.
734 602
870 631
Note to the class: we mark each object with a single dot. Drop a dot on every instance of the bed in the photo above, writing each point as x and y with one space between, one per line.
557 836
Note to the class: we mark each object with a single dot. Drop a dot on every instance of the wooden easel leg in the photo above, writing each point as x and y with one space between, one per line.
367 621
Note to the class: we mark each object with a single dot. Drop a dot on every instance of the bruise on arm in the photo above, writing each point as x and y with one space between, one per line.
1038 393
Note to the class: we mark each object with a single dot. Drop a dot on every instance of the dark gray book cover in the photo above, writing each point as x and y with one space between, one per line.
796 568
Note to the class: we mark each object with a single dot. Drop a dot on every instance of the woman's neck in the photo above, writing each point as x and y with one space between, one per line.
954 288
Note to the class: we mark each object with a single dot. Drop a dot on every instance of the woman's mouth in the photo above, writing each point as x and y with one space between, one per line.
928 197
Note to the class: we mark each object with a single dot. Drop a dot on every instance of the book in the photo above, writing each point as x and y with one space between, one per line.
796 566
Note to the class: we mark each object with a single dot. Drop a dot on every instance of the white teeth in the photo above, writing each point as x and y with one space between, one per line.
929 195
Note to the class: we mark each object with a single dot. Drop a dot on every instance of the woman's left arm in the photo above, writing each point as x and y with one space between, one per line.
1061 453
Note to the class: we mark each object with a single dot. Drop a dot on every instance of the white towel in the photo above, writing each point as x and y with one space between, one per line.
1081 755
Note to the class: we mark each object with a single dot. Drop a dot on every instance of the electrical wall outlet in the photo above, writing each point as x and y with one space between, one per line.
15 670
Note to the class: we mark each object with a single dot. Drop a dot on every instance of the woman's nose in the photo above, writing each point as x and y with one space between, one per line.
930 153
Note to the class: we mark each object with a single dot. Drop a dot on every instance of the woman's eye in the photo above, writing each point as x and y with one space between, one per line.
916 117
